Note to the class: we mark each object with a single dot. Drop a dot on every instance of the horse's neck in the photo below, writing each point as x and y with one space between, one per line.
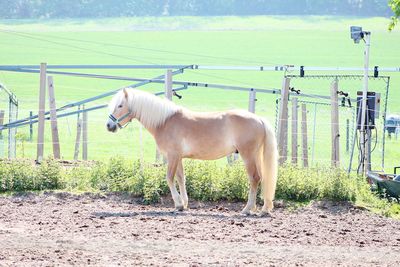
149 129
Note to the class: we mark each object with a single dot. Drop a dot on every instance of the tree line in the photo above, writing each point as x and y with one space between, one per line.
33 9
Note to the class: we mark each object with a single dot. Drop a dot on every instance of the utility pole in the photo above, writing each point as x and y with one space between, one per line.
357 34
364 131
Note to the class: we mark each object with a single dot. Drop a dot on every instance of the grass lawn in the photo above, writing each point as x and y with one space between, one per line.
312 41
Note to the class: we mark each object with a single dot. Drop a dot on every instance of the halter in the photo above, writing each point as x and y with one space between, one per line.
118 120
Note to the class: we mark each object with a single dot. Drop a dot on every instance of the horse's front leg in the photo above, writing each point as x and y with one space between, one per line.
180 176
173 162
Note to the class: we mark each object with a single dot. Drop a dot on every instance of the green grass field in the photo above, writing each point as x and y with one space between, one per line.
310 41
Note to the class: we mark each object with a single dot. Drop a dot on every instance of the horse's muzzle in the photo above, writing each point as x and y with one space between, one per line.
111 127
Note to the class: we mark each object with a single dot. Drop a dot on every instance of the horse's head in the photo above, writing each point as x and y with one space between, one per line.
120 113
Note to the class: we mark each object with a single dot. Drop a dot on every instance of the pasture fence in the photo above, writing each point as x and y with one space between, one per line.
381 91
12 102
333 104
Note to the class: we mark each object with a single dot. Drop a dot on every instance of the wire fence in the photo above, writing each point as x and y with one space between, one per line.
135 143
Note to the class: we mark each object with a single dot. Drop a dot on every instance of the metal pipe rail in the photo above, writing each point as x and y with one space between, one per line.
34 119
201 67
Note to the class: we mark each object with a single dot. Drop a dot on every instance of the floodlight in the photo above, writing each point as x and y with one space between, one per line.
356 34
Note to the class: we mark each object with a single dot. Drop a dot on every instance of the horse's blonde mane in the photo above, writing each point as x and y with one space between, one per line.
149 109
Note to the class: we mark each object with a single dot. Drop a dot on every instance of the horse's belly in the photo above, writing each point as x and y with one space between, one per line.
207 151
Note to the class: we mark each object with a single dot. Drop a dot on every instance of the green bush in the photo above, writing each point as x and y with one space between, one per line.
304 184
298 184
234 183
118 174
18 176
49 175
205 181
153 184
79 178
22 176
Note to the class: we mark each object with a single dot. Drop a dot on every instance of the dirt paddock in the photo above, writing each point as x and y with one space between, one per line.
63 229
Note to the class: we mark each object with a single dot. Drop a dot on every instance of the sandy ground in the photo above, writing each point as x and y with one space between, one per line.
62 229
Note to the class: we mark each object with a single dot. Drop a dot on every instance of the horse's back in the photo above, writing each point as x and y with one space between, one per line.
210 135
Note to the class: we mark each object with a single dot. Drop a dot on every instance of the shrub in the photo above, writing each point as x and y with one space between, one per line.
117 175
22 176
205 181
17 176
49 175
79 178
153 184
298 184
234 183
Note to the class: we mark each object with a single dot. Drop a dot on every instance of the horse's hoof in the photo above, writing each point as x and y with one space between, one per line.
265 213
179 208
245 212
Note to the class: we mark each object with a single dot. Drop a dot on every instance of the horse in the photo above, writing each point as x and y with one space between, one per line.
181 133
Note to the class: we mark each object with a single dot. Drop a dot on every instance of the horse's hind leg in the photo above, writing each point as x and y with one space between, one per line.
172 166
180 177
254 180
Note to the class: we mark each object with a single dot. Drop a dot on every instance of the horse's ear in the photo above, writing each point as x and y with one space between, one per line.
125 93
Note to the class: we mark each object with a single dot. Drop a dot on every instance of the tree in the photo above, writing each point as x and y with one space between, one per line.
395 6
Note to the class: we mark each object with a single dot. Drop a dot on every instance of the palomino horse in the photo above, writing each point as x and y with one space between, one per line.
181 133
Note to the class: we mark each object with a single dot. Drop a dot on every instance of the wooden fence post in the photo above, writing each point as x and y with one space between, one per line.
347 135
252 100
294 130
12 140
283 121
304 134
168 95
41 111
335 124
53 118
84 134
78 135
30 126
1 134
168 85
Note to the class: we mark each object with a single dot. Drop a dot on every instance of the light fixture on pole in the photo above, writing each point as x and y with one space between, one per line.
357 34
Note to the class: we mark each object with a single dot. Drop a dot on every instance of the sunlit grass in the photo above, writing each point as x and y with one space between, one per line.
313 41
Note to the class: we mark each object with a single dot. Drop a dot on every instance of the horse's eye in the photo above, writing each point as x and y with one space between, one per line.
120 106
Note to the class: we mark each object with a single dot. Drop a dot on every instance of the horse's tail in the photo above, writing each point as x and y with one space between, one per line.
269 166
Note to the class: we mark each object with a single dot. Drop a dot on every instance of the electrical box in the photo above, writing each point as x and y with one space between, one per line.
373 107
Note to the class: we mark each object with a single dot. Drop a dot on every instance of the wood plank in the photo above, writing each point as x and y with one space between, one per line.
347 135
335 160
168 85
168 95
53 119
1 134
304 134
252 100
294 130
84 135
41 111
12 140
283 121
30 126
78 136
